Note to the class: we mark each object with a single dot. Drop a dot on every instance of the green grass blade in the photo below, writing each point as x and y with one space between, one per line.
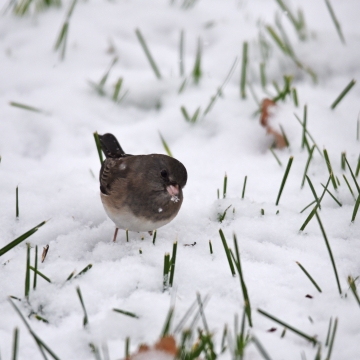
313 191
261 349
284 136
312 339
147 53
25 107
284 179
331 344
181 53
154 237
166 328
98 146
27 273
36 267
353 176
312 203
165 145
210 247
117 89
329 251
351 282
356 208
37 272
221 217
83 271
244 188
244 70
15 344
224 186
85 319
342 94
295 97
334 198
263 75
312 139
335 21
227 252
309 277
127 313
307 165
17 201
304 126
185 114
197 73
356 171
166 271
328 164
173 261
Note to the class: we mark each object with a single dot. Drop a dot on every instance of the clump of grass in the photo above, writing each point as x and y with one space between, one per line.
147 53
20 239
342 94
62 38
287 170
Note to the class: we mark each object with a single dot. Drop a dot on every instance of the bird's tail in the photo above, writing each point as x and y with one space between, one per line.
110 146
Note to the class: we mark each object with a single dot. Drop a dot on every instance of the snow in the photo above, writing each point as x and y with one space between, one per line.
53 159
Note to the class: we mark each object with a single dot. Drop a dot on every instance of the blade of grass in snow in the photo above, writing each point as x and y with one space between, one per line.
312 203
284 36
304 127
244 70
17 202
312 139
201 310
356 208
165 145
261 349
309 276
223 338
295 97
83 271
117 89
352 285
350 189
315 208
313 191
343 155
328 164
332 339
329 250
166 271
127 313
197 73
242 283
181 53
210 246
36 267
253 94
227 252
244 187
27 272
147 53
263 75
38 341
335 21
15 344
328 333
37 272
154 237
307 165
284 136
221 217
25 107
221 88
334 198
127 348
356 171
342 94
312 339
166 329
85 319
188 313
224 186
353 176
284 179
173 261
97 142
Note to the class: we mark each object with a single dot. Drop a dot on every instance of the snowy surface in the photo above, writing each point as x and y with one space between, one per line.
51 156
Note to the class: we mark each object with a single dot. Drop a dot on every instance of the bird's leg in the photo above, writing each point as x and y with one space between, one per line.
115 234
150 233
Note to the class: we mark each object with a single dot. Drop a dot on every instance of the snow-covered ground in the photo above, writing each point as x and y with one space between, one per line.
52 158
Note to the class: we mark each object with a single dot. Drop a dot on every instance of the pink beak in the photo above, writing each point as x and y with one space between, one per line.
173 190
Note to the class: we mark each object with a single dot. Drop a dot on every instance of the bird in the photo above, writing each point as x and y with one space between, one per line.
139 192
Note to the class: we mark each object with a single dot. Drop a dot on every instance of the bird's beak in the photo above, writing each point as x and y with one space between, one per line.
173 190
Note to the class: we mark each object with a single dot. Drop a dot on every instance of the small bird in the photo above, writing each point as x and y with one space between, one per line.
139 192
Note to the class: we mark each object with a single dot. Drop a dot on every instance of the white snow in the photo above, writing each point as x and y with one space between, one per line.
53 159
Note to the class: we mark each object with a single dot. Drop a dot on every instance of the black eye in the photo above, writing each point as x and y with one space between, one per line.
164 173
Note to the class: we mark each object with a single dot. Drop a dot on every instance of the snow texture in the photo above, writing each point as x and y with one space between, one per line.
53 159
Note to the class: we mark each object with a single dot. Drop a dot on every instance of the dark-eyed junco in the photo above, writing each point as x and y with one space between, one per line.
139 192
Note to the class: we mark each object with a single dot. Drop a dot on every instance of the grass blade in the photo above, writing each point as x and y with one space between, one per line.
329 250
335 199
36 269
310 277
224 186
244 70
37 272
244 187
165 145
98 146
166 271
17 202
15 344
210 246
196 73
307 165
166 329
173 261
284 179
332 339
227 252
25 107
242 283
275 156
335 21
147 53
313 191
304 127
263 75
154 237
85 319
351 282
342 94
83 271
127 313
295 97
312 203
312 139
117 89
261 349
328 164
181 53
353 176
356 208
27 273
185 114
312 339
284 136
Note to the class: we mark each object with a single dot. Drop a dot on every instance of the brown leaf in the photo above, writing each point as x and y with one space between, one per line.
167 344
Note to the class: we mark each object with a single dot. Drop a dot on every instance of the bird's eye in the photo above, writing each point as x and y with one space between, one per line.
164 173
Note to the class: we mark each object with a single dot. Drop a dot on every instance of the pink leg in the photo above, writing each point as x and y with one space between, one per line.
115 234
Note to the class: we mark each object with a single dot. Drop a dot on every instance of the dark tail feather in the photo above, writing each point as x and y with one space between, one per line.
110 146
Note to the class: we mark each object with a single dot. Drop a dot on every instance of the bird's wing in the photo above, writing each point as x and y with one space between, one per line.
111 170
